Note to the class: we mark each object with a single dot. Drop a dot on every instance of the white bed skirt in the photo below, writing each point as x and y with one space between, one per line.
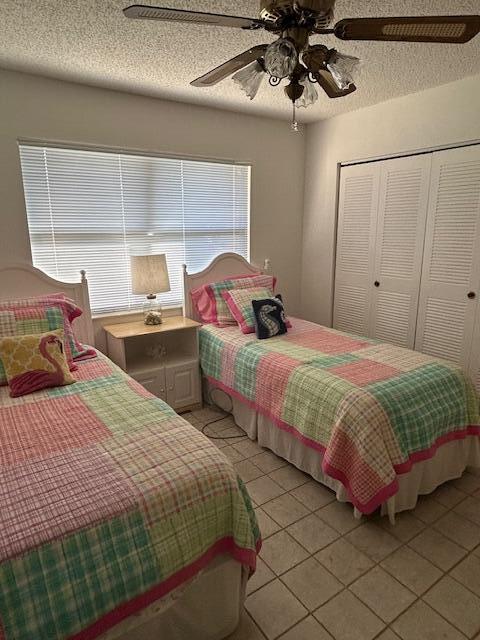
449 461
206 608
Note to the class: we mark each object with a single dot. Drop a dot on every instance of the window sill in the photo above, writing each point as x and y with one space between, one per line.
167 312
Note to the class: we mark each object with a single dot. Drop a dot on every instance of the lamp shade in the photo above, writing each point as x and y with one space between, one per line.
149 274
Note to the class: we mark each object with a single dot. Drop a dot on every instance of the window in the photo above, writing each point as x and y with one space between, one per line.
91 210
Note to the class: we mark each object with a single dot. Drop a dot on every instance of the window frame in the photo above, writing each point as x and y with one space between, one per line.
130 151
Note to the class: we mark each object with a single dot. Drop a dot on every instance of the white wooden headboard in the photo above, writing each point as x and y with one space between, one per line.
23 281
222 267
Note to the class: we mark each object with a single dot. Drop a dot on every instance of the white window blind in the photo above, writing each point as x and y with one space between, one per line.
92 210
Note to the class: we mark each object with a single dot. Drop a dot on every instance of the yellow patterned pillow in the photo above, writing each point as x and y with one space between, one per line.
35 361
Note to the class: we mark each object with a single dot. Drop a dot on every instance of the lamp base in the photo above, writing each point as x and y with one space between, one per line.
152 312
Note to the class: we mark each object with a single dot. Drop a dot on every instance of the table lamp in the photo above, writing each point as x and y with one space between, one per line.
149 277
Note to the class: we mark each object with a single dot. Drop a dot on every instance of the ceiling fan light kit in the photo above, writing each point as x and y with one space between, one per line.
293 58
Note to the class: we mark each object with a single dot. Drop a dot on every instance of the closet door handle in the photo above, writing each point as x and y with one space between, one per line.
376 283
471 295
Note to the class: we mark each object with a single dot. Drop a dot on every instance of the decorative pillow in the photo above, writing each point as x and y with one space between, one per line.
36 361
204 301
203 304
75 350
270 318
239 302
221 313
79 350
25 320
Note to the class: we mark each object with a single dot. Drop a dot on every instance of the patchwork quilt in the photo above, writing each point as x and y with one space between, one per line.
371 409
108 501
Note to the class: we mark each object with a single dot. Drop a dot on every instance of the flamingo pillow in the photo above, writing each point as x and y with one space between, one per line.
35 361
16 320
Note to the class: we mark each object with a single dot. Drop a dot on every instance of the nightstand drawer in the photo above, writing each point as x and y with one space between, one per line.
153 381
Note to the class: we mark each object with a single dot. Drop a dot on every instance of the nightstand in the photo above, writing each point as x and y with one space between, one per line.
163 358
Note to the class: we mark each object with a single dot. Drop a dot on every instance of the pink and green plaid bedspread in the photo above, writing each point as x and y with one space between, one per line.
371 409
108 501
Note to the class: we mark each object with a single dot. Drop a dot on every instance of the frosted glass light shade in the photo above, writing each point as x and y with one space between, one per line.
250 78
149 274
309 95
281 58
342 68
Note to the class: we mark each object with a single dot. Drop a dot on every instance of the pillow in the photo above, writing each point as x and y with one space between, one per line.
203 304
270 318
222 316
35 361
239 302
26 320
204 301
75 350
79 350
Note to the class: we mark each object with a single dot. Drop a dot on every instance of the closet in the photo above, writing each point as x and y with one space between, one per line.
408 253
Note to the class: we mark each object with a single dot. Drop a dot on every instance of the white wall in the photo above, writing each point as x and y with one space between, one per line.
40 108
440 116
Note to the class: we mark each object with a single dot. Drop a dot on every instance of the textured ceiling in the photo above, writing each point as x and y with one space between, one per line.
90 41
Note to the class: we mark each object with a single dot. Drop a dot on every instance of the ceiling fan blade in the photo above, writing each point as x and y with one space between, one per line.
227 68
328 84
457 29
145 12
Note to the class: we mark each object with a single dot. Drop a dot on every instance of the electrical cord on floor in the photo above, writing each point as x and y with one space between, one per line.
224 415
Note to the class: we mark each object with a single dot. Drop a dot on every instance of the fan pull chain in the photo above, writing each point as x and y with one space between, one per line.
294 121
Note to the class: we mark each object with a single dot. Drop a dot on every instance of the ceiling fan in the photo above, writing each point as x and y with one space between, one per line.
292 56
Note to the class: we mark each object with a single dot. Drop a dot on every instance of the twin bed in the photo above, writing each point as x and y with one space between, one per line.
118 518
166 550
378 424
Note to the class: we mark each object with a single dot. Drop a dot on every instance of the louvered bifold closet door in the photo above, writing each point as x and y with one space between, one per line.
357 219
402 211
451 266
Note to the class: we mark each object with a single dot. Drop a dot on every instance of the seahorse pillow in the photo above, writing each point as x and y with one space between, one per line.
18 320
270 317
222 316
35 361
239 301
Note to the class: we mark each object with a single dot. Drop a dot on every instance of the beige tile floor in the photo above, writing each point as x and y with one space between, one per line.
322 574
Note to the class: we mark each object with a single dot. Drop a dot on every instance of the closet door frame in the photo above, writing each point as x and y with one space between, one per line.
474 363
